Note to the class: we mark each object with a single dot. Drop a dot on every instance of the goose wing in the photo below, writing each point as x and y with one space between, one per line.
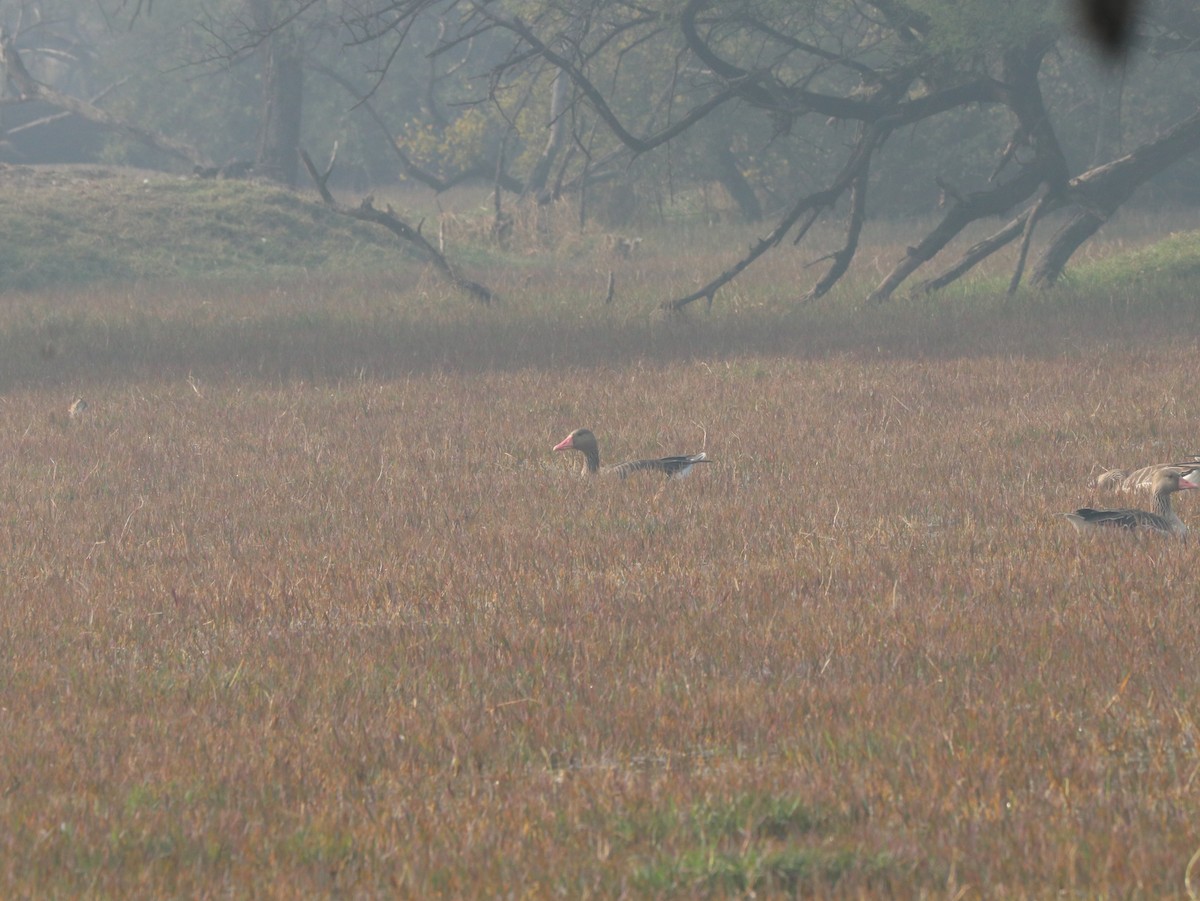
1088 518
674 467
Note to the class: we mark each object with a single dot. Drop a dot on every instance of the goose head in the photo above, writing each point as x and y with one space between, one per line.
1172 479
584 441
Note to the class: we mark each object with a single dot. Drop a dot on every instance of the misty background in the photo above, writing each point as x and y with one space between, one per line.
726 110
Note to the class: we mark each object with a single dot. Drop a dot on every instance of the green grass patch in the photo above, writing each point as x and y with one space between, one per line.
1174 258
752 870
745 816
748 843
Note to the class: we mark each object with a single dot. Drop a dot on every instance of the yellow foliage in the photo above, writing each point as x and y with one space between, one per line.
459 146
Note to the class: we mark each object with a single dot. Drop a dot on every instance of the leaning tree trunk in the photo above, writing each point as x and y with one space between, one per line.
1021 93
283 102
538 178
1101 191
29 89
976 205
1098 193
736 185
978 252
1063 245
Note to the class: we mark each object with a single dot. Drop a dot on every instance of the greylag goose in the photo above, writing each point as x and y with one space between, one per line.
1167 481
1140 479
584 441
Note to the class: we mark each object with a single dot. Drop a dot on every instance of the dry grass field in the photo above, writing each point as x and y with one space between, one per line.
303 605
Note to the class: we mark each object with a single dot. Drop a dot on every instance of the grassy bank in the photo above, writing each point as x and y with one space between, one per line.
73 226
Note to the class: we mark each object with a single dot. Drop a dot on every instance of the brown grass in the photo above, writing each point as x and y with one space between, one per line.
303 604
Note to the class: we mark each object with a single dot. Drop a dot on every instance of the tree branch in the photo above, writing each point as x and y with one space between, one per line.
30 89
411 169
596 98
858 216
814 203
366 212
977 253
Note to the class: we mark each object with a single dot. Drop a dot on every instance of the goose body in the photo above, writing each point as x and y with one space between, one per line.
1166 482
584 441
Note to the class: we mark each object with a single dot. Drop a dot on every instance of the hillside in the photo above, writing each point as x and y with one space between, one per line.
75 225
67 226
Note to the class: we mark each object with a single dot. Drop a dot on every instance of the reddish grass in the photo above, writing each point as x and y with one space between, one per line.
304 605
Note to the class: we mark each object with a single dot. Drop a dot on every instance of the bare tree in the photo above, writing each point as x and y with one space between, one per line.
27 88
614 80
282 102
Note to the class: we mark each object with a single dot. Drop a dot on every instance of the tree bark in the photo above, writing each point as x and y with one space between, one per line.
559 92
733 181
29 89
282 101
1102 190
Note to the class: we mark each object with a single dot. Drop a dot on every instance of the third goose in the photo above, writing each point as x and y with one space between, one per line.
1140 479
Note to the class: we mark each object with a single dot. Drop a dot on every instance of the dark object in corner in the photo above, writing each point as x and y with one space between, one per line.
1109 23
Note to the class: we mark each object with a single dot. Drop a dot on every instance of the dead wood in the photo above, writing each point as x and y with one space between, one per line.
975 254
366 212
1098 193
1102 190
1044 203
813 204
28 88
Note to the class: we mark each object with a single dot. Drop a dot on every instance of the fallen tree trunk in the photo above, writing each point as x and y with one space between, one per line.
31 89
366 212
1098 192
813 204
